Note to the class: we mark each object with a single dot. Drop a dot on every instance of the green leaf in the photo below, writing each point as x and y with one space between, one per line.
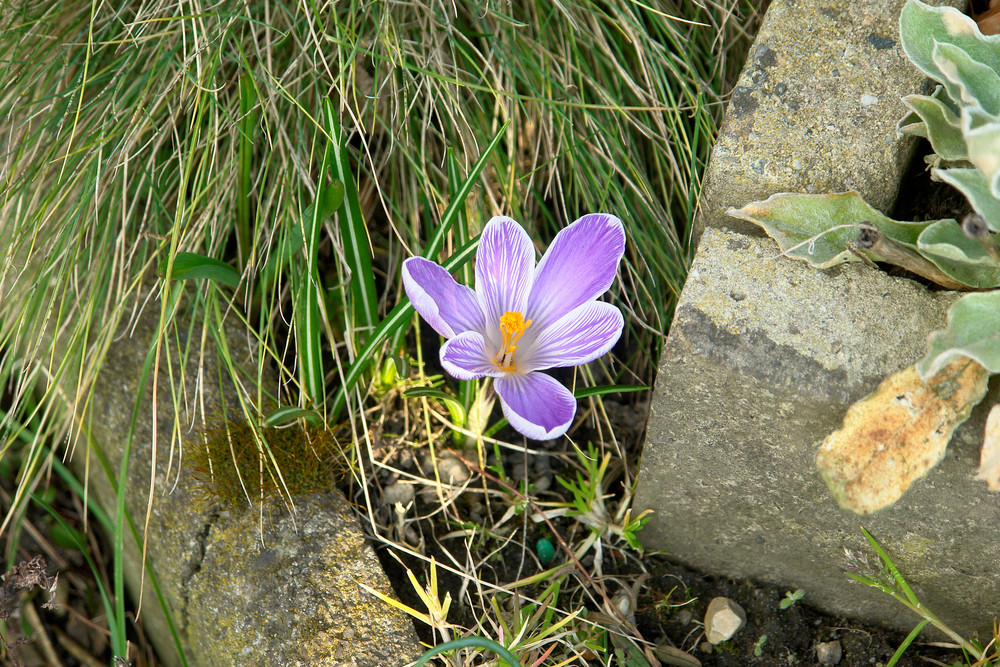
353 231
972 184
914 633
189 266
982 135
974 83
817 228
67 537
973 331
938 123
921 26
455 407
290 413
584 392
946 245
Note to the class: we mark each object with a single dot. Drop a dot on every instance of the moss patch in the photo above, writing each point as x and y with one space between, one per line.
238 461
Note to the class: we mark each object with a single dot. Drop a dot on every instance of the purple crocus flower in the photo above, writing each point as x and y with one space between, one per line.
523 318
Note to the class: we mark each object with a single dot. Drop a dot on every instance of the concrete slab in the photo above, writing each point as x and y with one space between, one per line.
764 356
815 109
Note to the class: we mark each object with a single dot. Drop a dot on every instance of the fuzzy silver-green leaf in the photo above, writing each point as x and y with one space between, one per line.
973 331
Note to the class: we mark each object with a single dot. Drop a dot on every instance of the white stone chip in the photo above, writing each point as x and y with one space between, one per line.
722 619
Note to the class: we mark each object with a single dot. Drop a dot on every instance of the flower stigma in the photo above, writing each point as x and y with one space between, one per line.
512 326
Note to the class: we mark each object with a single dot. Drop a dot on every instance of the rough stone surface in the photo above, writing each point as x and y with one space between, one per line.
244 586
764 356
723 618
815 109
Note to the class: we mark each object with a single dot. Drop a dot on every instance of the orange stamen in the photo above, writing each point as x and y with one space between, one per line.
512 326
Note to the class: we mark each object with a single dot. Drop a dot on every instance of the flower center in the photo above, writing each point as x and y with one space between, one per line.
512 326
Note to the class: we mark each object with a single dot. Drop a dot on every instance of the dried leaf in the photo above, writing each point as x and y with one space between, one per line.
895 435
989 459
24 576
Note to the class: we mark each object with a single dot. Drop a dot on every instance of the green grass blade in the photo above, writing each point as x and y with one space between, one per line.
190 266
454 644
354 233
396 318
457 205
244 176
896 575
586 392
290 413
906 643
466 388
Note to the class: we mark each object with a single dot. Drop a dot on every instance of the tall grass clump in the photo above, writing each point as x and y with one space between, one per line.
272 163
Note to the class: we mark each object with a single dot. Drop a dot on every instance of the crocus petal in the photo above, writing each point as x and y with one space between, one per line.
578 267
580 336
505 263
535 404
464 357
447 306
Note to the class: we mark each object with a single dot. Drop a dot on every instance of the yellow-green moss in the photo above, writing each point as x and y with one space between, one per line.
236 461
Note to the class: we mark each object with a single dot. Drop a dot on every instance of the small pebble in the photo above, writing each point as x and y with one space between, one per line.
453 471
829 653
722 619
684 617
544 483
398 492
868 100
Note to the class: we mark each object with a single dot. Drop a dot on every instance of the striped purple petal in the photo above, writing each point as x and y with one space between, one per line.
578 267
505 263
465 358
535 404
447 306
579 337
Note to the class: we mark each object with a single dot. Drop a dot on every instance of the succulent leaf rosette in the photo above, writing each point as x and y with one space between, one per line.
522 319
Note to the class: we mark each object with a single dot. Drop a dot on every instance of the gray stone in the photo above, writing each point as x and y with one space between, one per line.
746 391
723 619
829 653
814 110
245 585
398 492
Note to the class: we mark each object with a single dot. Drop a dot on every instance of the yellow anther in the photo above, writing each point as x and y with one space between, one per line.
512 326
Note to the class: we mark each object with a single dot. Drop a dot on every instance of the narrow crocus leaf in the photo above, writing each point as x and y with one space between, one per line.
189 265
455 407
393 321
291 413
973 331
353 232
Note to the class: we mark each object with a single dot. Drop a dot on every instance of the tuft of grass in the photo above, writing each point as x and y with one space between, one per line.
188 159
